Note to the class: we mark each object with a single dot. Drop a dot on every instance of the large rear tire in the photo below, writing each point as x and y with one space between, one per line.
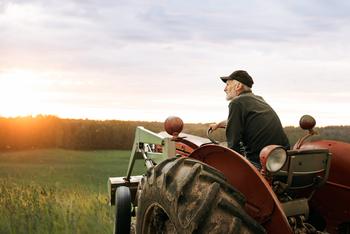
187 196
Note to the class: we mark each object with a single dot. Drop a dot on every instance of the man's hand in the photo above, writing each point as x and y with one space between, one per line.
215 126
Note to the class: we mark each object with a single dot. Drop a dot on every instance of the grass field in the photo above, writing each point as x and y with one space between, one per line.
58 191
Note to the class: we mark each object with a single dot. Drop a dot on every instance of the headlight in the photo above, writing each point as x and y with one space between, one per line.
273 157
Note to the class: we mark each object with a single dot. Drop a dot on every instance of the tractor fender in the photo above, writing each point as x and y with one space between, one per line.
332 199
261 202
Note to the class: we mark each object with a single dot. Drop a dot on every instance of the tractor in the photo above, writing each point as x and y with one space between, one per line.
197 185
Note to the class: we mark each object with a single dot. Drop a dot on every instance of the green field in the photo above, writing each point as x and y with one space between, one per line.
58 191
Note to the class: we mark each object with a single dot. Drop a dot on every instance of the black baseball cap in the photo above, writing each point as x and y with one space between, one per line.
241 76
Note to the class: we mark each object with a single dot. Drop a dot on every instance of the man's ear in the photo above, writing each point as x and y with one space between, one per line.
238 86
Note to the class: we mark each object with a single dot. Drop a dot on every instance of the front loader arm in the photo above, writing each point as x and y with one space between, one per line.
144 147
144 136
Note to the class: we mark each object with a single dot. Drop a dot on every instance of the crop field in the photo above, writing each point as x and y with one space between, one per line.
59 191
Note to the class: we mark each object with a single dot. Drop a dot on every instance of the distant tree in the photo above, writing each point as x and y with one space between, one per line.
52 132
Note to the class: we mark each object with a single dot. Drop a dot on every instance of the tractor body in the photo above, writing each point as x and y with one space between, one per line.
332 200
309 193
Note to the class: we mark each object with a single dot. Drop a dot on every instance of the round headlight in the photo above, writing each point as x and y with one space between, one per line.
276 159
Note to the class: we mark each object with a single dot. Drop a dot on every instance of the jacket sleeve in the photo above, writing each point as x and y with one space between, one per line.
234 128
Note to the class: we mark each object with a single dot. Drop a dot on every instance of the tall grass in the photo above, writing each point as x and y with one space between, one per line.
37 209
58 191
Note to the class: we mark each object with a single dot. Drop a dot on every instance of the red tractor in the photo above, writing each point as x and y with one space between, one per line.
194 185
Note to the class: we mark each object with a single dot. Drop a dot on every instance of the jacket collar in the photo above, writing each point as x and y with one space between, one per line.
245 92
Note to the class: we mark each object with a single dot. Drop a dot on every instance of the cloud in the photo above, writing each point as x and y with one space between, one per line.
133 52
169 21
81 25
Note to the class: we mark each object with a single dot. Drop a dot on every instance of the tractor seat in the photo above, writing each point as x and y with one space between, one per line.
305 168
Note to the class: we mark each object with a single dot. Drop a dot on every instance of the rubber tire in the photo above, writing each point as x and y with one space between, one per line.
193 197
122 210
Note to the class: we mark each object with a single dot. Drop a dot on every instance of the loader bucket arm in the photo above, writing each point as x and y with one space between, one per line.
144 136
165 146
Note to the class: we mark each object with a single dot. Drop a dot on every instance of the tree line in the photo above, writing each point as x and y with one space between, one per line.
23 133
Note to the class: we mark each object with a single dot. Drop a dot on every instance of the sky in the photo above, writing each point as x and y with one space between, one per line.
147 60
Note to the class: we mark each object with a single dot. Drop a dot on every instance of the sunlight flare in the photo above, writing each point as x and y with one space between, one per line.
20 93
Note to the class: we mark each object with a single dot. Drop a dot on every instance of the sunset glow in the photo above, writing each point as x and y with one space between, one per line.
147 60
19 93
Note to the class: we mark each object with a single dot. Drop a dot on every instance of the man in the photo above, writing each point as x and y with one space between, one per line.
251 121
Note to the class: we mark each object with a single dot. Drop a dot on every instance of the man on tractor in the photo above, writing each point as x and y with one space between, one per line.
251 124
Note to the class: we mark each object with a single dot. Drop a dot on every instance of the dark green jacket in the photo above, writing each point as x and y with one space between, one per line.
254 123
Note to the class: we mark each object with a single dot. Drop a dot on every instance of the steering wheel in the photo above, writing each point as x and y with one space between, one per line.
210 137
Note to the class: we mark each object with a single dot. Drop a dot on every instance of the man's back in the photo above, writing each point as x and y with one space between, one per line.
252 121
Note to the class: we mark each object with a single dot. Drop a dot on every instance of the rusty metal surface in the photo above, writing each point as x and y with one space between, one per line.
333 199
185 147
261 203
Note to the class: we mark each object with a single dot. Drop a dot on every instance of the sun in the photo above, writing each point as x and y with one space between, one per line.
20 93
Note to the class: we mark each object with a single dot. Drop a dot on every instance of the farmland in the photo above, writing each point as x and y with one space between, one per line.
58 191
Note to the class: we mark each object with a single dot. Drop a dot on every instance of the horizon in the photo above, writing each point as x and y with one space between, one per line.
145 61
136 120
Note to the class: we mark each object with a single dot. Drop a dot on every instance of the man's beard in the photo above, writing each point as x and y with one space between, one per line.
231 95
